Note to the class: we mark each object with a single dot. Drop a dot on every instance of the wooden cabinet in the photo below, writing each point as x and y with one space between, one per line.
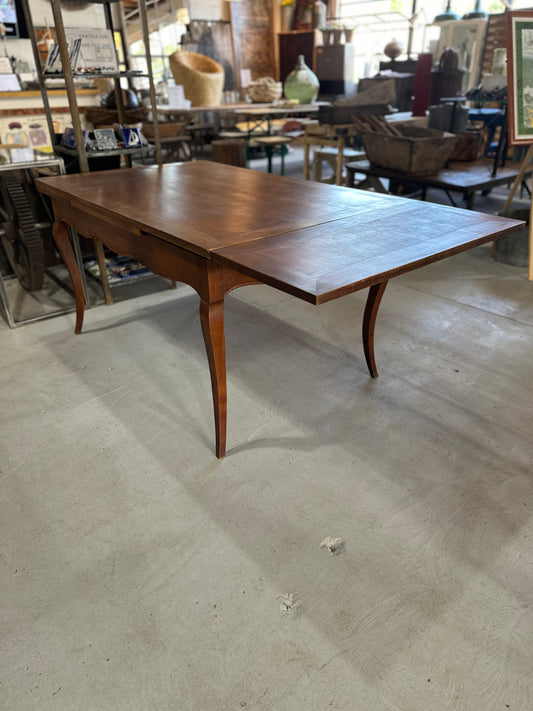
335 68
292 44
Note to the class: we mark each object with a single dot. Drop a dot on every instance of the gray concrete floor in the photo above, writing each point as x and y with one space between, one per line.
139 572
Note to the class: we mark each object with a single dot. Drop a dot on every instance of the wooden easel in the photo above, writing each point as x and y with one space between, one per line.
517 182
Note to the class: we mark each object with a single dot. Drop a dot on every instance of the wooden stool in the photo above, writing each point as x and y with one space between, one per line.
231 151
271 143
329 156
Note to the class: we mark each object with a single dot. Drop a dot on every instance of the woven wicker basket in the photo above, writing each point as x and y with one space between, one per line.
201 77
265 90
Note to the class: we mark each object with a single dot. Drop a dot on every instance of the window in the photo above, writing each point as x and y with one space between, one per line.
409 22
163 43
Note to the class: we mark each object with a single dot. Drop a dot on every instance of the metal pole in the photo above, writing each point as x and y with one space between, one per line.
38 67
153 100
69 82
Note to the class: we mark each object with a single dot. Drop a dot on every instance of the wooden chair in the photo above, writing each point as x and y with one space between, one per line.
201 77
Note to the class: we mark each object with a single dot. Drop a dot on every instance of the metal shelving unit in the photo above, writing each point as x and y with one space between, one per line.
137 152
69 76
21 307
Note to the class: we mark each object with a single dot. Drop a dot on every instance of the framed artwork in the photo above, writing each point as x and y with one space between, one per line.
520 76
28 135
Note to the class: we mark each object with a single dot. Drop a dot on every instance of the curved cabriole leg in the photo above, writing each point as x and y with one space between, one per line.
212 320
62 239
373 301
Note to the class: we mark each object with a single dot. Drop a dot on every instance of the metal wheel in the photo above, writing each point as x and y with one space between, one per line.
20 238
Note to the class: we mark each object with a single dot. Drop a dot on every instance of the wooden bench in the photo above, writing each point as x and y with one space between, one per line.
463 178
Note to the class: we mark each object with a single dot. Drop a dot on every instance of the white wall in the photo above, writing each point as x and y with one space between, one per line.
21 49
209 10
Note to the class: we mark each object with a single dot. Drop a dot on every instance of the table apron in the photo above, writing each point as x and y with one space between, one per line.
211 280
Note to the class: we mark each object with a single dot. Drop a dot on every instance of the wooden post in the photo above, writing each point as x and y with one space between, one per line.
530 255
517 181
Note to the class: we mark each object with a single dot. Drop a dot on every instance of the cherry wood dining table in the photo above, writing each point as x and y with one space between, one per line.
218 227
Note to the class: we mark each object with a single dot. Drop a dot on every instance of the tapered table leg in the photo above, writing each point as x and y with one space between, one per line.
62 239
373 301
212 320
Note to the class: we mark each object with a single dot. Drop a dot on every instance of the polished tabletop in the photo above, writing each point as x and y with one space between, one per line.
306 238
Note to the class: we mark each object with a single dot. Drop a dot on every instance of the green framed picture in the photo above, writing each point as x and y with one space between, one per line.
520 76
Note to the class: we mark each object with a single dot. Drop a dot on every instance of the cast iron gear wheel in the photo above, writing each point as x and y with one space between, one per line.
20 239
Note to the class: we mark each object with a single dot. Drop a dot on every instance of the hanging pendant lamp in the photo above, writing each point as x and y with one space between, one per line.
447 14
477 12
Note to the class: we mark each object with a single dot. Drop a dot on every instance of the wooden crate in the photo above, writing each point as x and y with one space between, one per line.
420 151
